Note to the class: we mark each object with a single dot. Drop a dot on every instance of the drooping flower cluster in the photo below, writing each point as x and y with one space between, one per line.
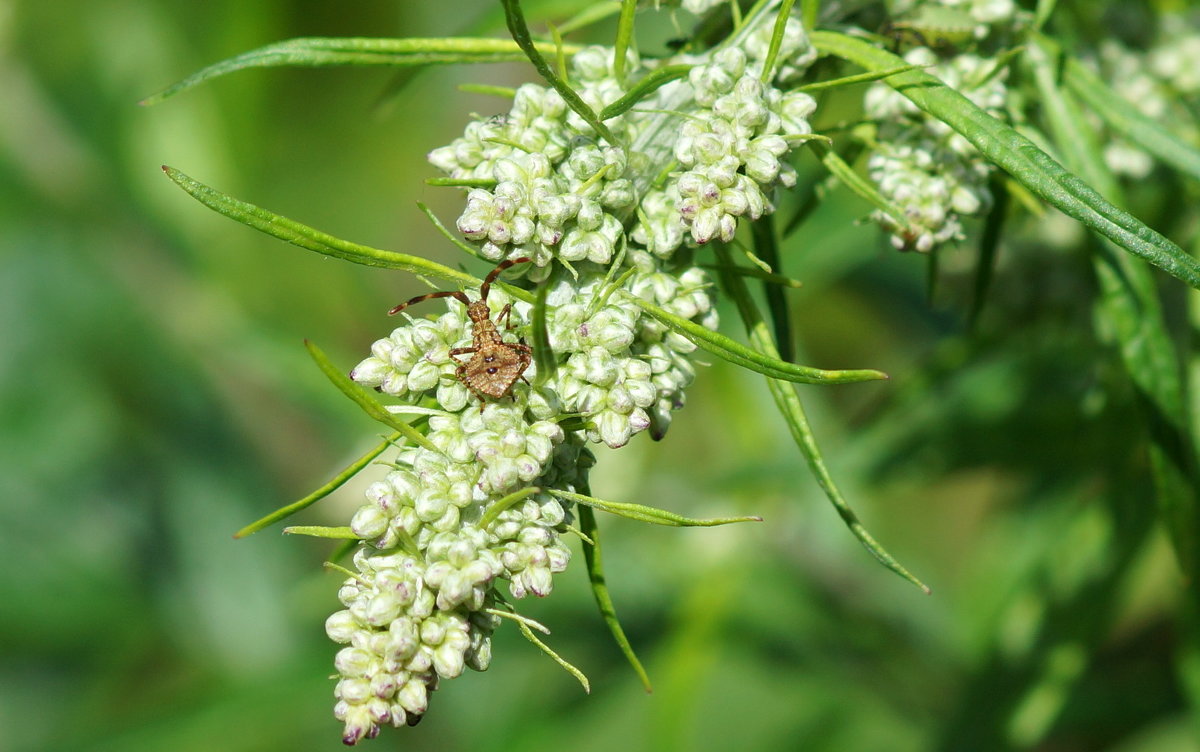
482 506
933 174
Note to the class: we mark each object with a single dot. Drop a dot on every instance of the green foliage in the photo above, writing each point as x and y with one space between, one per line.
156 396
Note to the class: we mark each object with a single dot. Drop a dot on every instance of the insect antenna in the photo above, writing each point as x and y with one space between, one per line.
491 277
460 296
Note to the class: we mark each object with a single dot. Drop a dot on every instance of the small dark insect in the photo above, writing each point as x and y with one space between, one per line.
495 365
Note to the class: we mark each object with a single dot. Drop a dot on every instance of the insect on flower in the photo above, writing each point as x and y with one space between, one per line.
495 365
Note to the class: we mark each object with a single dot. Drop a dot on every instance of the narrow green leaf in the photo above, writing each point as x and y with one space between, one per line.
785 10
857 78
859 184
313 52
989 245
1018 156
306 237
520 34
624 37
789 406
596 11
642 513
812 192
368 405
1041 14
1131 307
462 182
579 675
746 271
810 11
531 623
488 90
595 568
757 274
335 483
501 504
1124 118
738 354
763 232
543 355
437 223
321 531
342 551
645 86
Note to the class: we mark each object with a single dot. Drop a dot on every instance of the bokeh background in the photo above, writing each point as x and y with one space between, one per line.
155 396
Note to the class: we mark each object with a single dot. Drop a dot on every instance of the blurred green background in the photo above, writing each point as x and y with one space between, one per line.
155 396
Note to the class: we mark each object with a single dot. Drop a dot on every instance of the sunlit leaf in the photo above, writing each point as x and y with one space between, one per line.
315 52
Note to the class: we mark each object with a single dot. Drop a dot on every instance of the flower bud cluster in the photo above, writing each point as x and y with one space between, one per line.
450 531
731 149
558 192
933 174
400 643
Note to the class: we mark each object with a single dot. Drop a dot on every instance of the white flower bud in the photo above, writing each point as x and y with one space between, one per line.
369 522
341 626
353 662
413 697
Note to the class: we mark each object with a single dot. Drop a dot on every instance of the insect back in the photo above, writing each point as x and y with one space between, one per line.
494 364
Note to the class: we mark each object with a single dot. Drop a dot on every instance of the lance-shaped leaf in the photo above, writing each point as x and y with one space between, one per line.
595 567
306 237
543 354
642 513
857 78
368 405
738 354
645 86
841 169
1018 156
1126 119
520 34
789 406
335 483
321 531
316 52
570 669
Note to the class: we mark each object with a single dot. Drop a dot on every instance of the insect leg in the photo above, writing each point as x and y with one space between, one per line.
506 314
491 277
461 351
457 294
